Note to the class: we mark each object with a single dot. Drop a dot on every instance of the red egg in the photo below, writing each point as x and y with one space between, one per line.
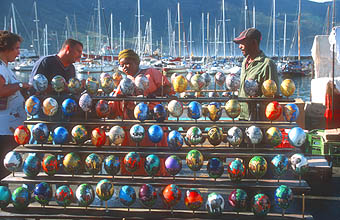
102 109
273 110
98 137
22 135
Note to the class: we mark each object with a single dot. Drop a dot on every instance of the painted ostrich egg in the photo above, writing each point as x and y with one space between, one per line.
60 135
79 134
50 106
22 135
159 113
260 205
232 82
32 105
215 167
50 165
69 107
254 134
85 195
258 166
104 189
13 161
31 166
173 165
40 82
215 204
283 196
147 195
40 133
74 86
215 135
92 85
193 199
291 112
269 88
58 83
194 135
194 110
43 193
296 137
287 87
280 164
235 136
117 77
155 133
137 133
21 198
175 140
127 195
142 83
175 108
214 111
107 84
116 135
102 109
127 86
233 108
180 84
207 79
273 110
173 76
72 163
197 82
5 197
152 164
98 137
251 87
64 195
299 164
220 78
132 162
112 165
189 76
93 163
171 195
236 170
238 200
141 112
194 160
273 136
85 102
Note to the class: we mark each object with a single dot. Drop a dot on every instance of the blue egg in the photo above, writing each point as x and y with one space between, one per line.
194 110
152 164
159 113
291 112
43 193
296 137
5 196
127 195
60 135
32 166
40 133
175 140
32 105
280 164
141 111
69 107
155 133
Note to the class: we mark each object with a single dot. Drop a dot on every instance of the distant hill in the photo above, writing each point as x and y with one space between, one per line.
82 20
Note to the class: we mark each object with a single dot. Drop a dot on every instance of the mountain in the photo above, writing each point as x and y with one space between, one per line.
83 20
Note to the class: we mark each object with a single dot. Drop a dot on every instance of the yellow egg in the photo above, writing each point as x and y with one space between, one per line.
287 87
180 84
269 88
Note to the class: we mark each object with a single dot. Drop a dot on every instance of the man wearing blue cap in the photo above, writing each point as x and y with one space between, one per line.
255 66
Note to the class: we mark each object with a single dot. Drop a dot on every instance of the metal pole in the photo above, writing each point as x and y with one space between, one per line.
284 36
36 21
179 30
223 25
299 19
202 34
274 14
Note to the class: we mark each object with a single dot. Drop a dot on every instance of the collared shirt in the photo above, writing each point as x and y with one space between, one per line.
261 69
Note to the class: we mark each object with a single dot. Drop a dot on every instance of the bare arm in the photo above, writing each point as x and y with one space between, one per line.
9 89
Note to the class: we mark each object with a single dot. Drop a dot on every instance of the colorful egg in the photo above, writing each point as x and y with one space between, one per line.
214 111
147 195
132 162
220 78
137 133
254 134
175 108
93 163
189 76
215 168
59 135
299 164
43 193
107 84
171 195
152 164
251 87
116 135
85 102
206 78
40 133
127 195
5 197
273 136
269 88
287 87
85 195
142 83
280 164
296 136
273 110
58 83
92 85
215 135
69 107
193 199
260 205
13 161
117 77
102 109
21 198
238 200
194 110
173 76
40 82
74 86
50 106
64 195
141 112
104 189
79 134
173 165
235 136
197 82
155 133
31 166
72 163
232 82
215 204
236 170
50 165
127 86
283 196
159 113
194 135
98 137
291 112
258 166
32 105
180 84
112 165
233 108
194 160
175 140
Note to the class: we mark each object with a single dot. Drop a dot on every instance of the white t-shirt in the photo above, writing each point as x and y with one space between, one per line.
15 114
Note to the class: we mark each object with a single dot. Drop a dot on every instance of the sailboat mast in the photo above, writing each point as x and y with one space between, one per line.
14 20
46 40
87 46
223 24
284 36
274 15
203 34
99 26
179 30
254 17
215 40
190 37
111 33
299 20
169 31
36 21
208 42
120 36
139 31
245 14
150 24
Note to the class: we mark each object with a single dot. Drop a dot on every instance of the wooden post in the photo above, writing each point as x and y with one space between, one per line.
303 206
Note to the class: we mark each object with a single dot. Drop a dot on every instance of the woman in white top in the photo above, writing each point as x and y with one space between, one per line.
12 113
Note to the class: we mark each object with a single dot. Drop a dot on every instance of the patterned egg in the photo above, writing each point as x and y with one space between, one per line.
13 161
287 87
69 107
258 166
232 82
155 133
98 137
291 112
215 168
21 198
175 140
58 83
207 79
152 164
40 83
188 77
112 165
117 77
107 84
214 111
85 195
283 196
64 195
235 136
171 195
215 135
197 82
173 76
32 105
79 134
127 86
93 163
5 197
299 164
173 165
194 110
142 83
280 164
92 85
180 84
40 133
43 193
220 78
147 195
116 135
215 204
194 160
127 195
74 86
159 113
238 200
22 135
85 102
104 189
72 163
102 109
254 134
273 110
59 135
132 162
141 112
273 136
137 133
269 88
31 166
236 170
175 108
50 106
233 108
50 165
251 87
296 136
193 199
194 135
260 205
